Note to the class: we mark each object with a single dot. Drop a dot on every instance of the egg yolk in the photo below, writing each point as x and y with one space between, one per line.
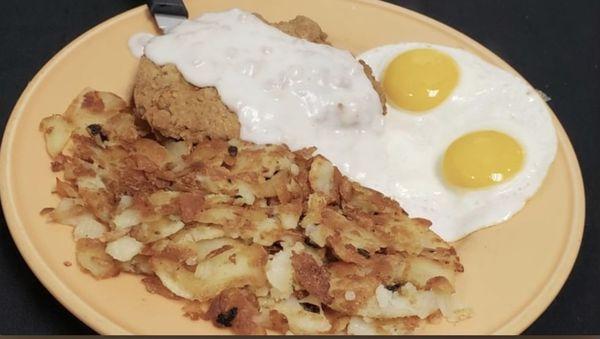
481 159
420 79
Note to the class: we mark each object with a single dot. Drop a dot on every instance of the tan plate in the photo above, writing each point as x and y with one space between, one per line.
513 271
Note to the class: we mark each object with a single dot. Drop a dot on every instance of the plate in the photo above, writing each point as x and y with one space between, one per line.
512 271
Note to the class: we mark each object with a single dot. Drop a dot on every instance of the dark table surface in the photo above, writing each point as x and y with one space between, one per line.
553 44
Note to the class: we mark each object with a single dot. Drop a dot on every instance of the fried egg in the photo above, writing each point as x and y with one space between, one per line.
466 143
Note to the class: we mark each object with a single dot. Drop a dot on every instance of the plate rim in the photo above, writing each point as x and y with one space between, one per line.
101 324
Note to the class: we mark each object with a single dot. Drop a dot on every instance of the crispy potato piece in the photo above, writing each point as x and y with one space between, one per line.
304 317
278 322
221 263
407 301
122 127
91 256
280 274
57 131
347 277
312 276
155 286
350 240
93 107
198 232
70 212
151 150
324 178
86 226
152 231
140 264
427 274
99 200
124 248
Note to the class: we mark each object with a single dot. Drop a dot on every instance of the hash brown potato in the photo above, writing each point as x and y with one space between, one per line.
253 238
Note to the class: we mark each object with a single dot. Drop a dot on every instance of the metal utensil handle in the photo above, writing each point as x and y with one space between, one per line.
170 7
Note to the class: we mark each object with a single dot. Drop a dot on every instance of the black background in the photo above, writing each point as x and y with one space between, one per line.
553 44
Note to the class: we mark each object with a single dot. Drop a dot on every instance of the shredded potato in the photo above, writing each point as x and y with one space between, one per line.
278 240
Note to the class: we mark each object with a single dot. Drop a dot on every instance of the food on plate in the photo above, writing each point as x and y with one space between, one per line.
259 176
245 64
250 237
466 143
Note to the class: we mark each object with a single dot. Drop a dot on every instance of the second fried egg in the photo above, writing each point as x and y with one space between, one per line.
465 143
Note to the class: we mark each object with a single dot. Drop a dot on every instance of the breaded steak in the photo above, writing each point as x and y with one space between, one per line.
176 109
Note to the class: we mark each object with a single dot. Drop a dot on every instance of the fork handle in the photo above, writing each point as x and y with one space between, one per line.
170 7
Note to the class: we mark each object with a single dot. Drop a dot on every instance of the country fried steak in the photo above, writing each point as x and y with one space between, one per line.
176 109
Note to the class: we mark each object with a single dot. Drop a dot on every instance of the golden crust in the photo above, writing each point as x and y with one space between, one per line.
91 256
176 109
304 28
155 286
311 276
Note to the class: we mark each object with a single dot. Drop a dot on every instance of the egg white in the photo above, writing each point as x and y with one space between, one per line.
486 98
